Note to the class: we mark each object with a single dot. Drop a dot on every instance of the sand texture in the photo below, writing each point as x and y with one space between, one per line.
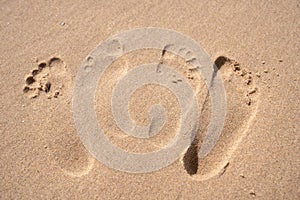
255 47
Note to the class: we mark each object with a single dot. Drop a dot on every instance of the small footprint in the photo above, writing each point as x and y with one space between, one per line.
53 80
242 97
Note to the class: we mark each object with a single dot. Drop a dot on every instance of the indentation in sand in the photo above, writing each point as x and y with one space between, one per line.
144 98
241 94
51 82
70 154
46 78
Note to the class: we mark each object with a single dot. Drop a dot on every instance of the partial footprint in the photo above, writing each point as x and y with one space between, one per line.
52 80
69 153
47 78
241 94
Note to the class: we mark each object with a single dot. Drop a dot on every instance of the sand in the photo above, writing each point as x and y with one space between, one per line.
255 46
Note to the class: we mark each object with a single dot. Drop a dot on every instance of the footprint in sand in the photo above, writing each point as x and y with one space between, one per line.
241 94
47 78
53 81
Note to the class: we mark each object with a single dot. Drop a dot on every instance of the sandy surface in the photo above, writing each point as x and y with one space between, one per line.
255 45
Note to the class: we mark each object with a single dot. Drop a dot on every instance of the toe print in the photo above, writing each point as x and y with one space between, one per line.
46 79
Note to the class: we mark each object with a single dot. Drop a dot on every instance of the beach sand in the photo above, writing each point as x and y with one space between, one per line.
256 47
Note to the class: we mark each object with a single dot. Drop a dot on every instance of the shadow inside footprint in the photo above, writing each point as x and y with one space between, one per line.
190 158
220 61
241 97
